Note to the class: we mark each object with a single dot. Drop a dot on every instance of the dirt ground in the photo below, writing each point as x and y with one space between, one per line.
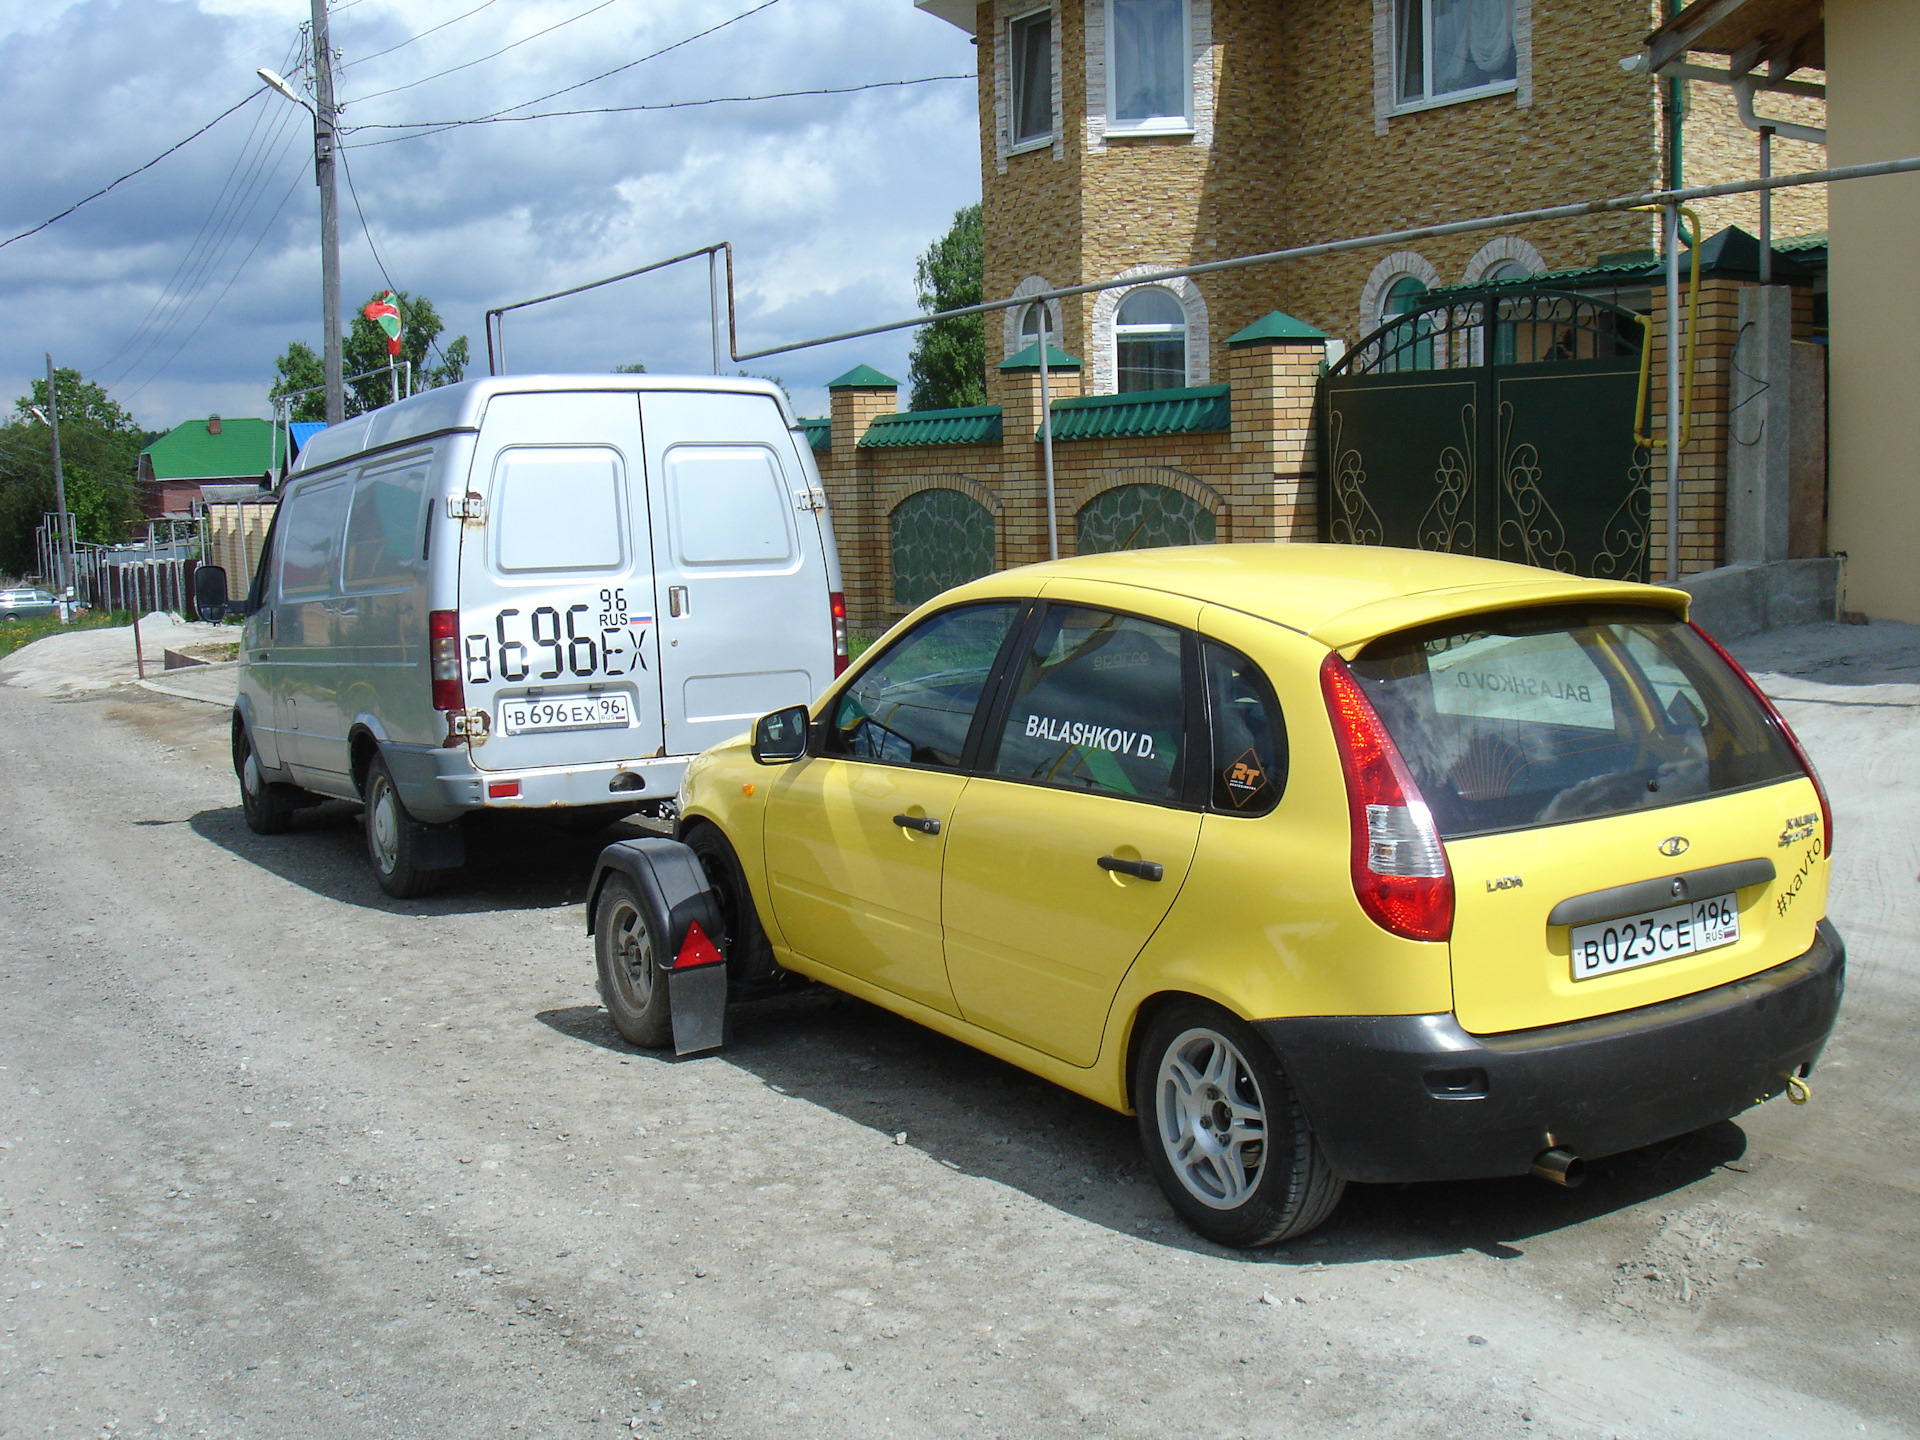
280 1157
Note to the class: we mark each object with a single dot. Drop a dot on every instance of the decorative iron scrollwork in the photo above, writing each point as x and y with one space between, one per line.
1354 520
1532 528
1448 522
1625 535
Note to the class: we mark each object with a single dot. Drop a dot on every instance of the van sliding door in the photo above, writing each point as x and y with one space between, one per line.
740 579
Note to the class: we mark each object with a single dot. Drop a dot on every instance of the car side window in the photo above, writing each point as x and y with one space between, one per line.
915 704
1248 732
383 522
1099 703
310 538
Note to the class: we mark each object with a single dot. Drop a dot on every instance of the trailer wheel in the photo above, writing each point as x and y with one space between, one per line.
626 952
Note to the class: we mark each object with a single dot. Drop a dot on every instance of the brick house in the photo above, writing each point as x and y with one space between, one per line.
203 452
1127 136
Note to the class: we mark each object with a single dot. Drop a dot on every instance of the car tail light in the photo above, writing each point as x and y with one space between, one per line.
443 648
1400 873
837 603
1786 732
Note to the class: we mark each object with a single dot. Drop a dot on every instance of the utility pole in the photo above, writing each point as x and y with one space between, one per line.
65 566
323 165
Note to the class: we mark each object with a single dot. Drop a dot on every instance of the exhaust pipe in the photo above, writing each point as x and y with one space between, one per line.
1561 1167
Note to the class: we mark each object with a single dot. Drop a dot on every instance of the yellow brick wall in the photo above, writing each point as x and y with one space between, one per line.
1719 149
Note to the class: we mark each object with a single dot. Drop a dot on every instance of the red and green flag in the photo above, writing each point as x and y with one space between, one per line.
384 313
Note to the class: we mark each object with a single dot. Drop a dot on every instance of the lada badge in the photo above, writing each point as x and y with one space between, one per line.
1673 845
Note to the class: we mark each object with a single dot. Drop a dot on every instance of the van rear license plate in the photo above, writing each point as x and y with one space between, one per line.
1632 940
569 712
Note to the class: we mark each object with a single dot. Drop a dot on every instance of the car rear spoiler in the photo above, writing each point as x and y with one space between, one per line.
1348 631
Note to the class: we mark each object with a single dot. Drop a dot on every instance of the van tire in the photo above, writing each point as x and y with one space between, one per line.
633 987
1192 1048
393 838
749 953
268 807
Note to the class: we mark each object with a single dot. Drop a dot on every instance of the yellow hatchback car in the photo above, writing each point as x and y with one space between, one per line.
1330 863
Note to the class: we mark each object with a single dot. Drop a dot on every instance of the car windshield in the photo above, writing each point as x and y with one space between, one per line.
1546 716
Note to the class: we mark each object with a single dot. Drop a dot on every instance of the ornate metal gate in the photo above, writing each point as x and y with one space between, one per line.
1493 423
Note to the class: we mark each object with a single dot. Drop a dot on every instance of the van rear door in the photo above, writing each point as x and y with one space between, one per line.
739 567
556 595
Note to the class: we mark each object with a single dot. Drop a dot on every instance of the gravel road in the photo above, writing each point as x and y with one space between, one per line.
280 1157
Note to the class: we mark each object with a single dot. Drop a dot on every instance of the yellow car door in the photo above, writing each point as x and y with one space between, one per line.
856 835
1069 845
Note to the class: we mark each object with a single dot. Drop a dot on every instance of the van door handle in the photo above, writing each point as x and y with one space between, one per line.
677 600
1139 869
925 824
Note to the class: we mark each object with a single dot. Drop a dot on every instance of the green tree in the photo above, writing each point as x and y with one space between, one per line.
364 348
100 449
949 363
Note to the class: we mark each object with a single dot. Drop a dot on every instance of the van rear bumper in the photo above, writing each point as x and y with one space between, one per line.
438 784
1401 1098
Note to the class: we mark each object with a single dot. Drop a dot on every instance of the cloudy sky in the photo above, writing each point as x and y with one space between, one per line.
178 289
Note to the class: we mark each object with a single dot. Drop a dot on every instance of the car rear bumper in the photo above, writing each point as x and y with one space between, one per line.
1402 1098
439 784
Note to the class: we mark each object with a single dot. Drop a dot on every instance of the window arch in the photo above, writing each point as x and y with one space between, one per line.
941 538
1020 323
1150 340
1104 337
1142 517
1385 276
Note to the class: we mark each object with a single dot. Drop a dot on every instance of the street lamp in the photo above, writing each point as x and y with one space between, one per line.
323 166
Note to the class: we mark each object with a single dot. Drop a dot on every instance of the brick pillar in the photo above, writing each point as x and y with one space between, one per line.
1274 368
855 399
1023 478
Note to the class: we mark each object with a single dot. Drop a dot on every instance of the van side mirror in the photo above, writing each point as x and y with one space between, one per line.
210 599
780 738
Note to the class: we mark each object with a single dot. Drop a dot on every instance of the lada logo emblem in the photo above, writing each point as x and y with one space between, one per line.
1673 845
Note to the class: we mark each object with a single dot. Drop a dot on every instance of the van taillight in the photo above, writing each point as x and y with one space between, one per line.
1786 733
443 652
837 603
1400 873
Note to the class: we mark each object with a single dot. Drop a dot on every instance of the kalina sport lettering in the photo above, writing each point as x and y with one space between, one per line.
1092 737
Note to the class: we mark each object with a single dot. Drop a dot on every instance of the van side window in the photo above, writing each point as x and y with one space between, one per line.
1099 703
730 505
915 704
1249 735
558 508
310 526
381 523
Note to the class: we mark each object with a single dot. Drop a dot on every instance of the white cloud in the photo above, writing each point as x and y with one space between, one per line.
827 199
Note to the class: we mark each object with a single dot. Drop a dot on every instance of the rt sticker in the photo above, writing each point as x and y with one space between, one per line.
1245 779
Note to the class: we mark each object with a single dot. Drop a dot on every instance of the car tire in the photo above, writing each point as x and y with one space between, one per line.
267 806
749 953
1224 1131
633 987
393 838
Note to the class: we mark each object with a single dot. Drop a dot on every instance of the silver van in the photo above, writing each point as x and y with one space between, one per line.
530 593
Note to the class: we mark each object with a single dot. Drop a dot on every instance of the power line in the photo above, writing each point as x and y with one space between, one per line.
424 128
367 230
131 173
411 38
395 90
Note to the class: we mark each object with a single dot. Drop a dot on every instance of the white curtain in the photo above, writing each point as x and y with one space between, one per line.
1149 59
1472 44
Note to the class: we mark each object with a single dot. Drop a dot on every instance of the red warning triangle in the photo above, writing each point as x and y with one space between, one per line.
697 949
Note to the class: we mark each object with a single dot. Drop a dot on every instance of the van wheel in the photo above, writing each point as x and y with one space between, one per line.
749 953
268 807
1224 1132
393 838
625 951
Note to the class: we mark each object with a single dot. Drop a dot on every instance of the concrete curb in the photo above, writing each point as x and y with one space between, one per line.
1737 600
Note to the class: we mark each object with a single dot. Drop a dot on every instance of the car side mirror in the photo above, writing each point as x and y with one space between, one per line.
780 738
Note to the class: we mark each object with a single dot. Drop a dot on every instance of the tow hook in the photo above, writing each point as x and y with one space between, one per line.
1798 1091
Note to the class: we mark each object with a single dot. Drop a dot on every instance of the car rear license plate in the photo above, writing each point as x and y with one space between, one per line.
1608 946
565 712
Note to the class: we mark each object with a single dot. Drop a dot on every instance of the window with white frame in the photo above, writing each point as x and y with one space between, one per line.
1150 340
1447 49
1030 74
1149 66
1030 321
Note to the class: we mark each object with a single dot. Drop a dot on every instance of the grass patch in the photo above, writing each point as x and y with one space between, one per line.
16 633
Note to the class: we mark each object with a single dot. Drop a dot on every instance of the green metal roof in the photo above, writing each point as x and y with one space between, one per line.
1731 254
819 432
1029 359
1276 326
244 449
974 425
864 377
1144 412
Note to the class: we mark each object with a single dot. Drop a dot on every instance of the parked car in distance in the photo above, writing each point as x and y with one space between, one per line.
27 604
530 593
1329 863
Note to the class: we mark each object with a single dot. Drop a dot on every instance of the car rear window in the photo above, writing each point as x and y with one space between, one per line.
1541 717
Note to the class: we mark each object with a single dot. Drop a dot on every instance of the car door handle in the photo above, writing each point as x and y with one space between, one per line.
677 601
925 824
1139 869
